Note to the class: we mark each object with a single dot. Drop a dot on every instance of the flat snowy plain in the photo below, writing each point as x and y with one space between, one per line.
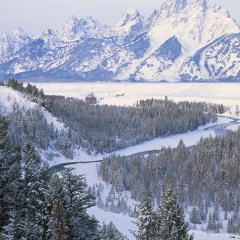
127 94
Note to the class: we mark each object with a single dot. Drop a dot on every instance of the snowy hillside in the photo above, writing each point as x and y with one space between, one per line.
179 42
218 60
10 97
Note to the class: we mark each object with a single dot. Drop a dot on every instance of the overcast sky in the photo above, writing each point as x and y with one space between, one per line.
34 16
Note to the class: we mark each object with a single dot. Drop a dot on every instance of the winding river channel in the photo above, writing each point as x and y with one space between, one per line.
219 130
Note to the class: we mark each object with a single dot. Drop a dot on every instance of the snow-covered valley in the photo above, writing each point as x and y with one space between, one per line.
127 94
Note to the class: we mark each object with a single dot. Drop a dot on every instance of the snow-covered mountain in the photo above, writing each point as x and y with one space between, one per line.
218 60
129 26
179 42
76 29
11 43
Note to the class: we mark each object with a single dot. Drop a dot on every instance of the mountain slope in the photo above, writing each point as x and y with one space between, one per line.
218 60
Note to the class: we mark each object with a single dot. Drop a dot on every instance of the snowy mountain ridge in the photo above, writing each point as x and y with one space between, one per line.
163 46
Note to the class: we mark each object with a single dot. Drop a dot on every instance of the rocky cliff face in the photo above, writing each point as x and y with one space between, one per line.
180 42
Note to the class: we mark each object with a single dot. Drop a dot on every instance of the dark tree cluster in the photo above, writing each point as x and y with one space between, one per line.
108 128
35 204
165 223
204 175
186 105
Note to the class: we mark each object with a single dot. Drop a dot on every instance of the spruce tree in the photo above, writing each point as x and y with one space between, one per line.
76 201
32 207
10 172
110 232
171 218
146 220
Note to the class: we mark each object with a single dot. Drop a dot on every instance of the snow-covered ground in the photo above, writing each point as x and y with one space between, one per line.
127 94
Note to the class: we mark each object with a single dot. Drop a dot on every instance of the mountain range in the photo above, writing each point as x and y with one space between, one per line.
181 41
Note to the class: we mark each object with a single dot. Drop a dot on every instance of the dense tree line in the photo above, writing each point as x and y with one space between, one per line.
204 175
108 128
34 204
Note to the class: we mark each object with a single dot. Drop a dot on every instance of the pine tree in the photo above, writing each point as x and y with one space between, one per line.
10 172
59 228
171 218
77 199
110 232
195 216
32 208
57 221
146 220
231 225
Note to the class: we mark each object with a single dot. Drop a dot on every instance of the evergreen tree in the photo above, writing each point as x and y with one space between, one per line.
10 172
171 218
59 228
31 210
110 232
57 221
146 220
77 199
195 216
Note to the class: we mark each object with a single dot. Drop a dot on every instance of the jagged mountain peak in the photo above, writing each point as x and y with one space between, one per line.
48 32
131 15
90 18
75 28
11 43
132 11
4 34
134 47
19 31
168 8
171 7
128 27
73 18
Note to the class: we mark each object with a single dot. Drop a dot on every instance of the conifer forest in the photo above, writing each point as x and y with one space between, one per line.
38 203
